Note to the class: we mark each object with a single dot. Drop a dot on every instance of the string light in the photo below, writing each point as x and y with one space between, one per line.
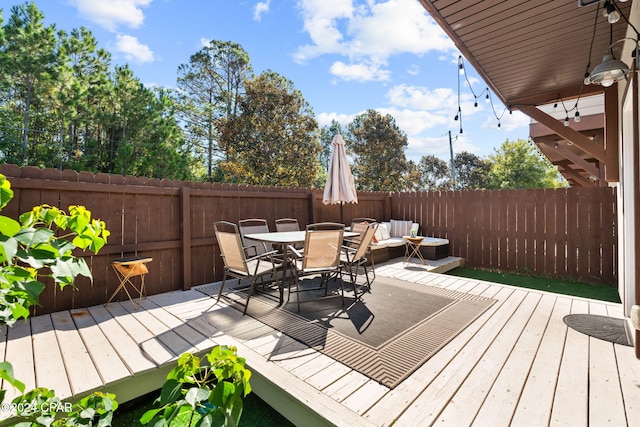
487 96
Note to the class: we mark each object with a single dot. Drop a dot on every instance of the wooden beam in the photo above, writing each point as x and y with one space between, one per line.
575 176
590 125
578 139
575 159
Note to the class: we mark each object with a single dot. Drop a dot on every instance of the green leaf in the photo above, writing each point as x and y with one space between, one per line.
8 249
66 269
36 258
32 236
9 226
196 395
6 193
149 415
171 392
221 393
6 373
88 413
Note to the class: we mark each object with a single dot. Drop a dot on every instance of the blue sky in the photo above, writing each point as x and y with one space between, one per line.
344 56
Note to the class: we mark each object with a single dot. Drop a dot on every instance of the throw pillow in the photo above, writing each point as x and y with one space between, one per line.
384 231
400 228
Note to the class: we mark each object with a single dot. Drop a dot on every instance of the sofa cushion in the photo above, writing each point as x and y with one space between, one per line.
382 233
400 228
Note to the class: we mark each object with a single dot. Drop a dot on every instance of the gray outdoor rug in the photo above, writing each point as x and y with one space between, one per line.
601 327
385 335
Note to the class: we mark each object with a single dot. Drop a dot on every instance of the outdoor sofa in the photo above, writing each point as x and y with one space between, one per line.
389 243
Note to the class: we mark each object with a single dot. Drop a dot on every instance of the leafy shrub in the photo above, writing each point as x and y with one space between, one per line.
210 390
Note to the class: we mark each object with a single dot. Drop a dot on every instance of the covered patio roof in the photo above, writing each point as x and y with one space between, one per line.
533 53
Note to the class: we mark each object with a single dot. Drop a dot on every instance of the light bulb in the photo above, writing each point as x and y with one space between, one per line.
576 117
607 81
566 121
486 98
461 69
610 12
613 17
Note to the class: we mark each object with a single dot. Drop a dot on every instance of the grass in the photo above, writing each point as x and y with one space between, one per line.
256 413
559 286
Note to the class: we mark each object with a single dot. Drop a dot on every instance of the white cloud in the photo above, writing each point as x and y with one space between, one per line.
260 9
110 14
368 33
420 97
508 122
359 72
133 50
324 119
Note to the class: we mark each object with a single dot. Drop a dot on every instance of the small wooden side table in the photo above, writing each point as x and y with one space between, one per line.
412 248
126 269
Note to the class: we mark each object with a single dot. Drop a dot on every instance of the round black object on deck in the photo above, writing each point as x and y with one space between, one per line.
601 327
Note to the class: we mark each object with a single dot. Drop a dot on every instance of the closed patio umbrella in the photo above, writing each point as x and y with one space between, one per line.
340 187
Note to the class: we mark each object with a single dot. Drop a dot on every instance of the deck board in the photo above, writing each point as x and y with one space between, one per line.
536 400
127 348
48 364
106 359
517 364
20 352
81 370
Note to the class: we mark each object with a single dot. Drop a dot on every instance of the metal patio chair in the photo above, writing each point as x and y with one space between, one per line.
236 262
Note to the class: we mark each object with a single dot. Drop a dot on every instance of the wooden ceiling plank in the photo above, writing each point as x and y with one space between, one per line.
578 139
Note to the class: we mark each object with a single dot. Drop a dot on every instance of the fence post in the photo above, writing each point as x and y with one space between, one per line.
185 202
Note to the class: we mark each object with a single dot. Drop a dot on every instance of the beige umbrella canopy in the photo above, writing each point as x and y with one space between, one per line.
340 187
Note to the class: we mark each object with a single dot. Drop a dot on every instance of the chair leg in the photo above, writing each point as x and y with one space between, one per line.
224 278
342 287
251 288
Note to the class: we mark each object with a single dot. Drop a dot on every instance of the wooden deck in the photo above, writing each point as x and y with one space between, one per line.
518 364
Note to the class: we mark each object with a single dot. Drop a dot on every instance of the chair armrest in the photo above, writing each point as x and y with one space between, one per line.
296 252
269 254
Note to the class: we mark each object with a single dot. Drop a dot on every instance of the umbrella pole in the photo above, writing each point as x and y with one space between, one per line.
341 216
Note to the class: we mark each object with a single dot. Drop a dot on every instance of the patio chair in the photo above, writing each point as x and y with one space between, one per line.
236 262
289 224
321 257
254 225
353 258
358 225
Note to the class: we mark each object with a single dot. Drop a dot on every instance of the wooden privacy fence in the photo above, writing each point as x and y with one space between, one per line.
169 221
556 232
559 232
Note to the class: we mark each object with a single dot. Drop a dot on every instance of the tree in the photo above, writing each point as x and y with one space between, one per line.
60 106
519 164
80 103
274 139
434 174
472 172
209 90
378 145
28 64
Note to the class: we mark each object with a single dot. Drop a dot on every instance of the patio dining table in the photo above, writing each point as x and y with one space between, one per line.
285 239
